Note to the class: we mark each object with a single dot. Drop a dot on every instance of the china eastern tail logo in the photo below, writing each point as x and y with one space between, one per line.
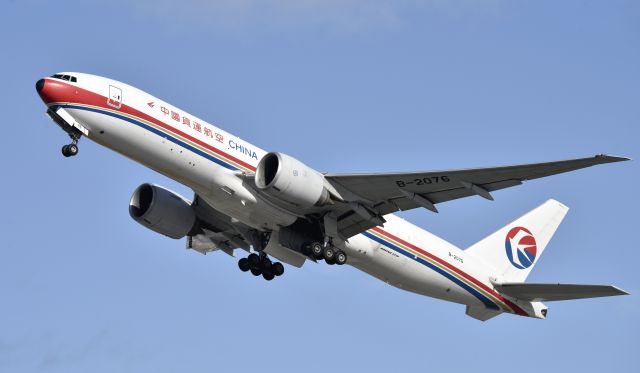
521 247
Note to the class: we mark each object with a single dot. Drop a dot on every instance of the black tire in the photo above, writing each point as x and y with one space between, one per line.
316 249
306 249
268 275
341 258
256 271
254 261
329 253
330 262
243 264
65 151
72 149
266 265
278 269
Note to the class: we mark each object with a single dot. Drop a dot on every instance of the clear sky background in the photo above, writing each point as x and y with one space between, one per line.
344 86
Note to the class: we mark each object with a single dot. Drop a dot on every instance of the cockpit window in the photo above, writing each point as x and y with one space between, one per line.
68 78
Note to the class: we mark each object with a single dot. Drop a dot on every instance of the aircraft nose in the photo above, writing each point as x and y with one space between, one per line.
40 85
51 90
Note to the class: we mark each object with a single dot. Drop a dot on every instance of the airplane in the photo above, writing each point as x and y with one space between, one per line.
280 210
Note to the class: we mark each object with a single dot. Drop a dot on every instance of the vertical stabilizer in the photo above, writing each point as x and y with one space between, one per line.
512 251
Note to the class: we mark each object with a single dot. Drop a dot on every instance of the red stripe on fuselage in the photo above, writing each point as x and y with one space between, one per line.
513 306
55 91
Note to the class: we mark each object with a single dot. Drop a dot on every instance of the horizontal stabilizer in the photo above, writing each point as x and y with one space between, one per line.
551 292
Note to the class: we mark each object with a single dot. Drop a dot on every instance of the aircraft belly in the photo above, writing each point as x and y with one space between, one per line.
403 272
147 148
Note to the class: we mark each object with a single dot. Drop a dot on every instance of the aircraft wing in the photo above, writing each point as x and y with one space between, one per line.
370 196
551 292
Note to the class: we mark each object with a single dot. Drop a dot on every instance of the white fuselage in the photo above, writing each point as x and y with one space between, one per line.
209 160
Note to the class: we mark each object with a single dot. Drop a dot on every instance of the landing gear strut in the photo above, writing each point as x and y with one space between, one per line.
260 264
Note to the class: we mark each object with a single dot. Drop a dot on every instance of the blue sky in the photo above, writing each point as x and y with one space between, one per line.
344 86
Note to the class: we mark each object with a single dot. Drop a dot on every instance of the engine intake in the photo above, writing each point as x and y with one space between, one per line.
286 178
162 211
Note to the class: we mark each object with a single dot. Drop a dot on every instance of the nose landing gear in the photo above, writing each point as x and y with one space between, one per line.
71 149
74 129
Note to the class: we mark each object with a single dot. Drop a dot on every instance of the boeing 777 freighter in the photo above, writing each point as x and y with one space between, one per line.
274 206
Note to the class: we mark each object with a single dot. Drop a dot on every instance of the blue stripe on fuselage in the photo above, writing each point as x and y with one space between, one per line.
155 131
487 302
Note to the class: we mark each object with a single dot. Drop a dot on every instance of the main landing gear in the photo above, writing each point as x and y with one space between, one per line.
260 264
330 254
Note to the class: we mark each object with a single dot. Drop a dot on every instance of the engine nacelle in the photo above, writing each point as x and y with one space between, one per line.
162 211
286 178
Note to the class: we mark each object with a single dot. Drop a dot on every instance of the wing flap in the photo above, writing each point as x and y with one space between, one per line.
551 292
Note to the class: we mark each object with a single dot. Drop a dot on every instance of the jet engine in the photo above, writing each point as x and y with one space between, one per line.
162 211
288 179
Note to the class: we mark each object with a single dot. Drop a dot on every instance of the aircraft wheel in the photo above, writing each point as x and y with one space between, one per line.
329 253
244 264
72 149
256 271
266 265
254 261
268 275
316 250
341 257
278 269
65 151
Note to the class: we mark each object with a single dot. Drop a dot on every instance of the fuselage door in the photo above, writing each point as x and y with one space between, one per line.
115 97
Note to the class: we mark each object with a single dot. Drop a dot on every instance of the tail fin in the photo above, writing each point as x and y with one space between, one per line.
513 250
